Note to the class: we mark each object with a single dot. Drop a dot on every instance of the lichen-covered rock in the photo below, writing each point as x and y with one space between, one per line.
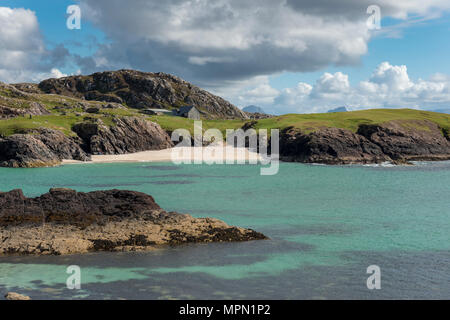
64 221
16 296
34 109
142 90
127 135
42 147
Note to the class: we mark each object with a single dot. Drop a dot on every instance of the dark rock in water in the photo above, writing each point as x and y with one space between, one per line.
43 147
66 206
127 135
64 221
142 91
329 145
340 109
394 141
24 150
415 140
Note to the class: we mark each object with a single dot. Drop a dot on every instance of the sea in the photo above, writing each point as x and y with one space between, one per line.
330 227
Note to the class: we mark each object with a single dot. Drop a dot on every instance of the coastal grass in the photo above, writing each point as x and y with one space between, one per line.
65 119
352 120
25 124
312 122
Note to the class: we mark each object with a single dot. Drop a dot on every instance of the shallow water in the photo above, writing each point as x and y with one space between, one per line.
327 224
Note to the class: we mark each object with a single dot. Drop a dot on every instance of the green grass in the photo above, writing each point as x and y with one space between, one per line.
313 122
171 123
25 124
351 120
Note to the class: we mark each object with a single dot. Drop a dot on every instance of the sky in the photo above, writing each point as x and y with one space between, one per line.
290 56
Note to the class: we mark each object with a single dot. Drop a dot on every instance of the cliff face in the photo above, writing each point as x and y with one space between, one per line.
393 141
64 221
47 147
127 135
43 147
142 90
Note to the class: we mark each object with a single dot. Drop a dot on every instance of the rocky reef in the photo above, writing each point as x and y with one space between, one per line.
142 90
65 221
394 141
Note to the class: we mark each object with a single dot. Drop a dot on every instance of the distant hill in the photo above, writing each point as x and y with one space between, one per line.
340 109
142 90
253 109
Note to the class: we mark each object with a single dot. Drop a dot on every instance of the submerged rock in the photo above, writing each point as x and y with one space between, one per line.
64 221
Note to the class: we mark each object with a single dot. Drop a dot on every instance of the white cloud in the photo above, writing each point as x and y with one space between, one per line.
389 86
22 49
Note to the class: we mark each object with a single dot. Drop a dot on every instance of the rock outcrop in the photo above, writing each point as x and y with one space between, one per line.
415 140
34 109
330 146
142 90
16 296
64 221
126 135
397 142
40 148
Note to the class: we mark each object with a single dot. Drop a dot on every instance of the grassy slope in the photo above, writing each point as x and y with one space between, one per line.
312 122
64 115
351 120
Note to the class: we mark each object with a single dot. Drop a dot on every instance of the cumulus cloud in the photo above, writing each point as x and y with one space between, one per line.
22 48
388 87
213 42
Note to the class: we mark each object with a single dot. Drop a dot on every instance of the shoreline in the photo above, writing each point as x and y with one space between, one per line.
180 154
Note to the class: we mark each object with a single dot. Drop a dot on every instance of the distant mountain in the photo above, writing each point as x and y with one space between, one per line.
442 110
142 90
340 109
253 109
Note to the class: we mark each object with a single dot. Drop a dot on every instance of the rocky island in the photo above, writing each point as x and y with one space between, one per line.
64 221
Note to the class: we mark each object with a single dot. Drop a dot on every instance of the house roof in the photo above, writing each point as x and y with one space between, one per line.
185 109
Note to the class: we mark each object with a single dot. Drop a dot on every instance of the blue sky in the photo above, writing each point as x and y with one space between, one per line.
246 73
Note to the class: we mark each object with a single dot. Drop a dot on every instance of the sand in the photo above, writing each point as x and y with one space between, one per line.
210 154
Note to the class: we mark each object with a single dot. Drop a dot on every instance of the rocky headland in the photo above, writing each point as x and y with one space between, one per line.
397 142
64 221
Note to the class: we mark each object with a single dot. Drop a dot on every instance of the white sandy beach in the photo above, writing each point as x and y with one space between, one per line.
180 155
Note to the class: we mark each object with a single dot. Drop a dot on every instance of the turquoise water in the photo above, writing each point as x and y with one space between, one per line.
327 224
